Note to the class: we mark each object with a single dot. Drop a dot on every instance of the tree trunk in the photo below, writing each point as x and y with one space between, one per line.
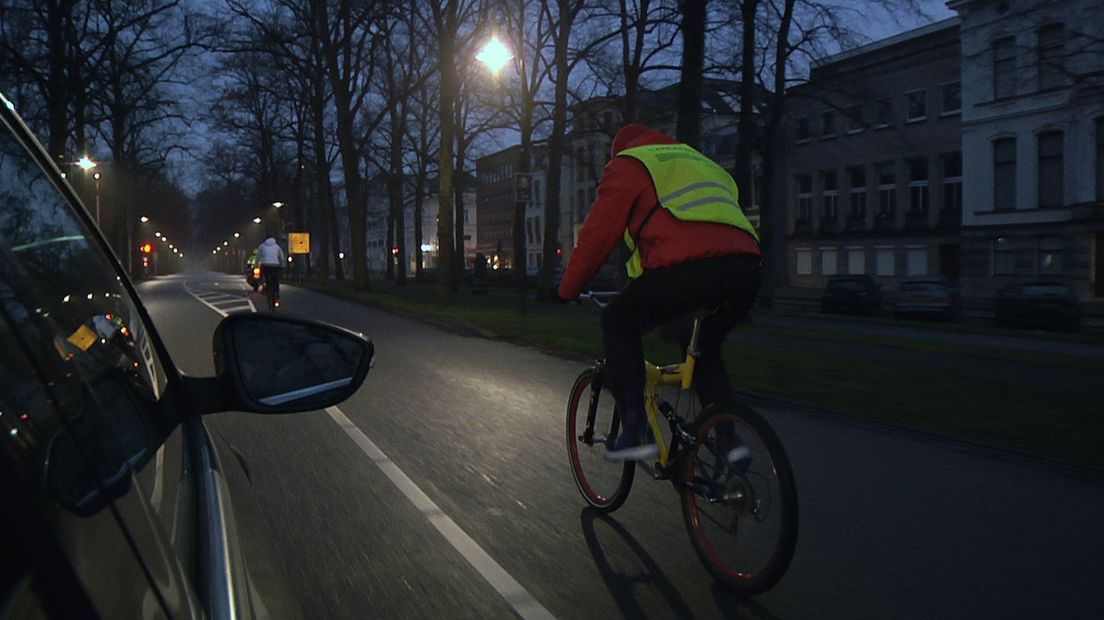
772 216
747 140
446 22
688 114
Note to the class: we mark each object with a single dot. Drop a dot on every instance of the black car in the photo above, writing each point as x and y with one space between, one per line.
113 500
857 294
1039 304
933 297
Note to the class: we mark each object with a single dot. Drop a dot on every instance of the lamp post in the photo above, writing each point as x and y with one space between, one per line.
495 56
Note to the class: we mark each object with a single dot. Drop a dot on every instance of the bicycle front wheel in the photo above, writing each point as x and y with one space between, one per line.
740 501
604 485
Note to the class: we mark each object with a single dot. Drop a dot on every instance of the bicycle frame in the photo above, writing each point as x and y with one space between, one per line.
681 374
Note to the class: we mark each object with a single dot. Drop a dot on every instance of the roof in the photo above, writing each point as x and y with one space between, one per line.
880 44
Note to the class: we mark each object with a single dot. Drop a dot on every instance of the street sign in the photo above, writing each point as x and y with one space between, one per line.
299 243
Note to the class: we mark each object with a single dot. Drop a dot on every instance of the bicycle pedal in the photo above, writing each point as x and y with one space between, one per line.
657 472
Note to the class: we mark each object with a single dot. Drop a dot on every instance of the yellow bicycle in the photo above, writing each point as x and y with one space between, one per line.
739 500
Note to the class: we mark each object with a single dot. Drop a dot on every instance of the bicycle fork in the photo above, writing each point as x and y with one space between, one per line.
588 437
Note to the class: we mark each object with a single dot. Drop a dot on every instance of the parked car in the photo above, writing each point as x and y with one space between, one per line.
933 297
113 499
857 294
1040 304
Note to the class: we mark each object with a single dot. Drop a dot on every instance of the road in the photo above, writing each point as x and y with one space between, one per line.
893 524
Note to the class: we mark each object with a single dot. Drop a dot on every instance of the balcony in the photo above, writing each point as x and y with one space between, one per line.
949 219
856 222
885 222
916 219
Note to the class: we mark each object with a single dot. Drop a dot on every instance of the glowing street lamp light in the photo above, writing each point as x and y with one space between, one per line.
237 234
86 164
143 219
157 234
277 204
494 55
256 220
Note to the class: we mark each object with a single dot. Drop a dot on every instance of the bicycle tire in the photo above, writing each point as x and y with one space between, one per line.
753 558
604 485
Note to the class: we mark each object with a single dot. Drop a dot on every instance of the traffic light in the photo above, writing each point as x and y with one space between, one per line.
146 248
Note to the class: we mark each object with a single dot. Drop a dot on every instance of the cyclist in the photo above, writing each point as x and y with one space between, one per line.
271 257
692 247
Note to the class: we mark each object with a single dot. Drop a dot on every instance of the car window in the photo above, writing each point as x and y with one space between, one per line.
79 327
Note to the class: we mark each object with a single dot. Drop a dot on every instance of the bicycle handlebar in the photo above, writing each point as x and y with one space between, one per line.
600 298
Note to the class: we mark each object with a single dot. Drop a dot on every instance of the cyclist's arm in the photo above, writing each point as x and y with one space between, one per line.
604 227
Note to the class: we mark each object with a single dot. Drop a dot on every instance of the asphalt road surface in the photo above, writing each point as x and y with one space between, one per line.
442 489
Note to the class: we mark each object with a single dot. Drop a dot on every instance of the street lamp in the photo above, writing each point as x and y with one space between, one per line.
494 55
256 220
143 219
86 164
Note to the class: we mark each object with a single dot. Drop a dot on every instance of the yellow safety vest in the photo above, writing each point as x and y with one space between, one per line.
692 187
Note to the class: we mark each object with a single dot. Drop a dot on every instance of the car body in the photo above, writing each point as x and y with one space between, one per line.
113 497
1040 304
933 297
854 294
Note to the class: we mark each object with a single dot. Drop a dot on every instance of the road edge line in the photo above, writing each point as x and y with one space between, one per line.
515 595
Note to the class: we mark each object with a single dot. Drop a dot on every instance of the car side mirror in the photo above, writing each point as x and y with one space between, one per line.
274 364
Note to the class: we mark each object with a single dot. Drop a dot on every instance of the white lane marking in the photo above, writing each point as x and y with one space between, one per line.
515 594
223 298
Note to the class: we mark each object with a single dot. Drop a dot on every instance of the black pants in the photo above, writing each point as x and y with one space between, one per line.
271 276
663 295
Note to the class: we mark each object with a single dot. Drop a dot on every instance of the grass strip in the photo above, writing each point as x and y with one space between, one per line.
1025 417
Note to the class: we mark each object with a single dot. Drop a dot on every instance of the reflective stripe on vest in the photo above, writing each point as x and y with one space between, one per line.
711 195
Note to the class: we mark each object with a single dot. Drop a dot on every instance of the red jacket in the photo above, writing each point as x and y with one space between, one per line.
626 194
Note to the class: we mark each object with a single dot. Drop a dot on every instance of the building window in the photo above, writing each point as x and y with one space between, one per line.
883 113
804 131
854 119
1049 254
804 198
857 177
828 125
1004 174
951 98
916 261
1004 67
918 185
1051 69
1050 169
917 105
830 198
829 261
1004 258
884 261
804 262
1100 159
887 190
856 261
952 182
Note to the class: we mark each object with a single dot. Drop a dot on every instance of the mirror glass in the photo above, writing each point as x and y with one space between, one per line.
291 364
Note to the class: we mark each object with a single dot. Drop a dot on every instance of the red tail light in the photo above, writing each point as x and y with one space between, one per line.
256 272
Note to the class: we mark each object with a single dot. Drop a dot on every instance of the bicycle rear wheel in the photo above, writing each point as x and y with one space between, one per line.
741 513
604 485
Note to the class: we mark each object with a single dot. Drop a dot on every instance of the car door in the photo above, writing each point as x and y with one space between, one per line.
94 457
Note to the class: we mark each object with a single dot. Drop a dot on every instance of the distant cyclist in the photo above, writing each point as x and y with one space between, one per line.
271 257
692 248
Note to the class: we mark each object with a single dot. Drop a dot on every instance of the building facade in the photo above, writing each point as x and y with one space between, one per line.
1033 140
498 191
873 162
430 242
